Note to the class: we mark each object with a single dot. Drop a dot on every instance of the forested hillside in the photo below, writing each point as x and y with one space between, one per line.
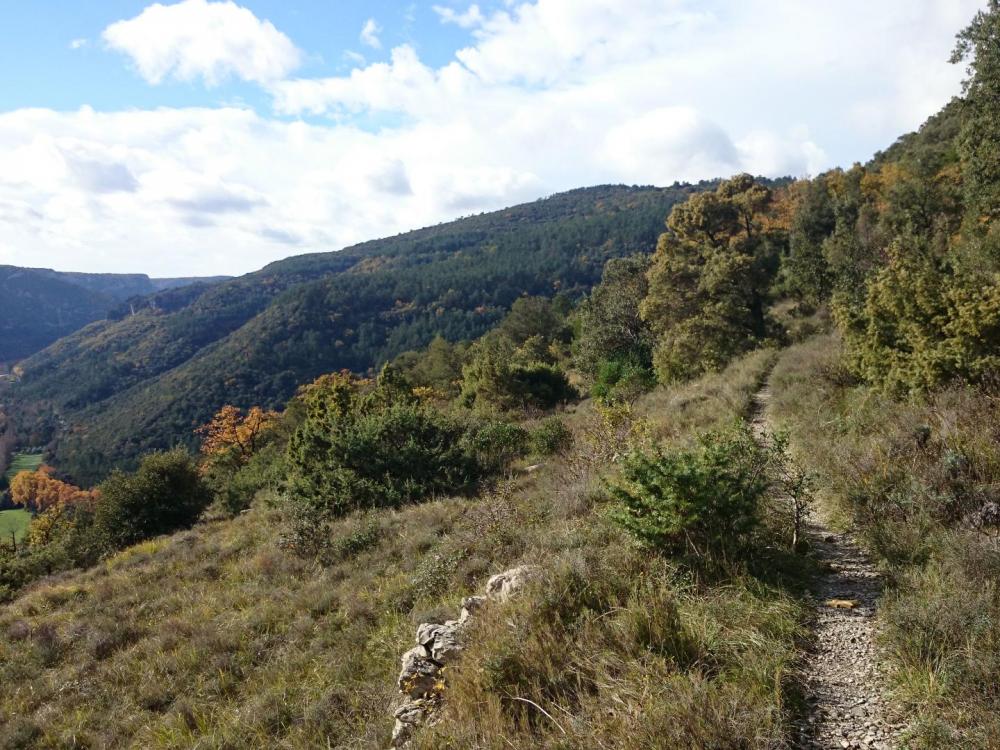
38 306
142 381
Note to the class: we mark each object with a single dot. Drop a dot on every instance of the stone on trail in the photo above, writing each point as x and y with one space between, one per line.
841 603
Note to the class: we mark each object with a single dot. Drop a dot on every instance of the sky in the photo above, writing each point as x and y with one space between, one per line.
207 137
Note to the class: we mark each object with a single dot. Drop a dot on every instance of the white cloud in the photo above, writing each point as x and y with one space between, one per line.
469 19
369 34
202 39
548 95
78 43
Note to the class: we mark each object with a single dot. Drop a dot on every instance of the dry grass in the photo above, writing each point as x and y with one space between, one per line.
912 477
221 638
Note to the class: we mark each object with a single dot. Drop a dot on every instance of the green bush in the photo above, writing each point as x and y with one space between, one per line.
622 380
165 494
700 499
923 323
497 378
495 444
551 436
361 447
235 490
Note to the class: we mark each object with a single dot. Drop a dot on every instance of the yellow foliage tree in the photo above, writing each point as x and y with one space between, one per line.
54 501
39 491
232 433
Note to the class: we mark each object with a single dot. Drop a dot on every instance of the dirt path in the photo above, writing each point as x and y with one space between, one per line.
846 708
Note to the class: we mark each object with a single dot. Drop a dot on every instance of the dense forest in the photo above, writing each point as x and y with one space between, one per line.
639 396
136 382
39 306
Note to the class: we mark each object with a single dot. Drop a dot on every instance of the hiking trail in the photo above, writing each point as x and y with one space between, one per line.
846 707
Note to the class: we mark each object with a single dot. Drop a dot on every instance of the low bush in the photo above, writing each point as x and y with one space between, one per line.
622 380
165 494
364 445
551 436
495 444
698 499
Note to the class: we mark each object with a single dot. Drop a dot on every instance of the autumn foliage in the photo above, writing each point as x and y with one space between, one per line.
232 433
39 491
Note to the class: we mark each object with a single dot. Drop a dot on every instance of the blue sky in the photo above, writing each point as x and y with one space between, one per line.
37 41
214 136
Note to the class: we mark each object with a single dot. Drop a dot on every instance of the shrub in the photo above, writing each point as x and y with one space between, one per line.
363 447
701 498
496 444
236 490
622 380
164 495
551 436
923 324
496 378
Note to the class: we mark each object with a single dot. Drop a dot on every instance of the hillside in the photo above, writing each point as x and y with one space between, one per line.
39 306
223 636
142 381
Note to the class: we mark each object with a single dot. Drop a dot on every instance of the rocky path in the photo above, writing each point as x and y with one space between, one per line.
846 709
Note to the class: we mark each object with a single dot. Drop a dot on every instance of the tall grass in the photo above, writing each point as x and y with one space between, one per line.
916 478
221 637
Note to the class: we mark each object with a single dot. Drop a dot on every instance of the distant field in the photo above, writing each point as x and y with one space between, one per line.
13 520
23 462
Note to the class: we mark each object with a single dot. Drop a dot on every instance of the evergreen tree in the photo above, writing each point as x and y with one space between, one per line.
709 280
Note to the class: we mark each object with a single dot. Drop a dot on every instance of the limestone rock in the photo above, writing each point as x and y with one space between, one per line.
419 672
437 645
409 716
443 642
504 585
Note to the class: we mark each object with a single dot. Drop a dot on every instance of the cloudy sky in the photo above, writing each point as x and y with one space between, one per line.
204 137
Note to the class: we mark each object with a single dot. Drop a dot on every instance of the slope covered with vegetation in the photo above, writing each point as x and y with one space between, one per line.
226 636
144 381
38 306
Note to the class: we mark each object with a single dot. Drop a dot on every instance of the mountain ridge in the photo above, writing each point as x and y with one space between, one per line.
144 379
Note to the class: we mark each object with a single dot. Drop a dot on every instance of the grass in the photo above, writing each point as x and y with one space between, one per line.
221 637
22 462
913 478
13 522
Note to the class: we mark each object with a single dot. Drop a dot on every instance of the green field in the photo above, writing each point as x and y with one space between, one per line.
13 521
22 462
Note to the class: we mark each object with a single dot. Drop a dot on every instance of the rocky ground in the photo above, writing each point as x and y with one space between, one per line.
844 685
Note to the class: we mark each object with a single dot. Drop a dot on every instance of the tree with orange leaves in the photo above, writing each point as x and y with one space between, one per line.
39 491
55 502
231 433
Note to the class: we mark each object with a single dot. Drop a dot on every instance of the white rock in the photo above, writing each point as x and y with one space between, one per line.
504 585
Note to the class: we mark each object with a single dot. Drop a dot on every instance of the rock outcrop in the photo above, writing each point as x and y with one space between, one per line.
422 680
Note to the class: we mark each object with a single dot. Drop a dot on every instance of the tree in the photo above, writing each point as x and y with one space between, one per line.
231 433
239 457
365 445
709 280
534 316
503 377
38 491
611 329
164 495
923 322
58 506
979 140
438 367
805 271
